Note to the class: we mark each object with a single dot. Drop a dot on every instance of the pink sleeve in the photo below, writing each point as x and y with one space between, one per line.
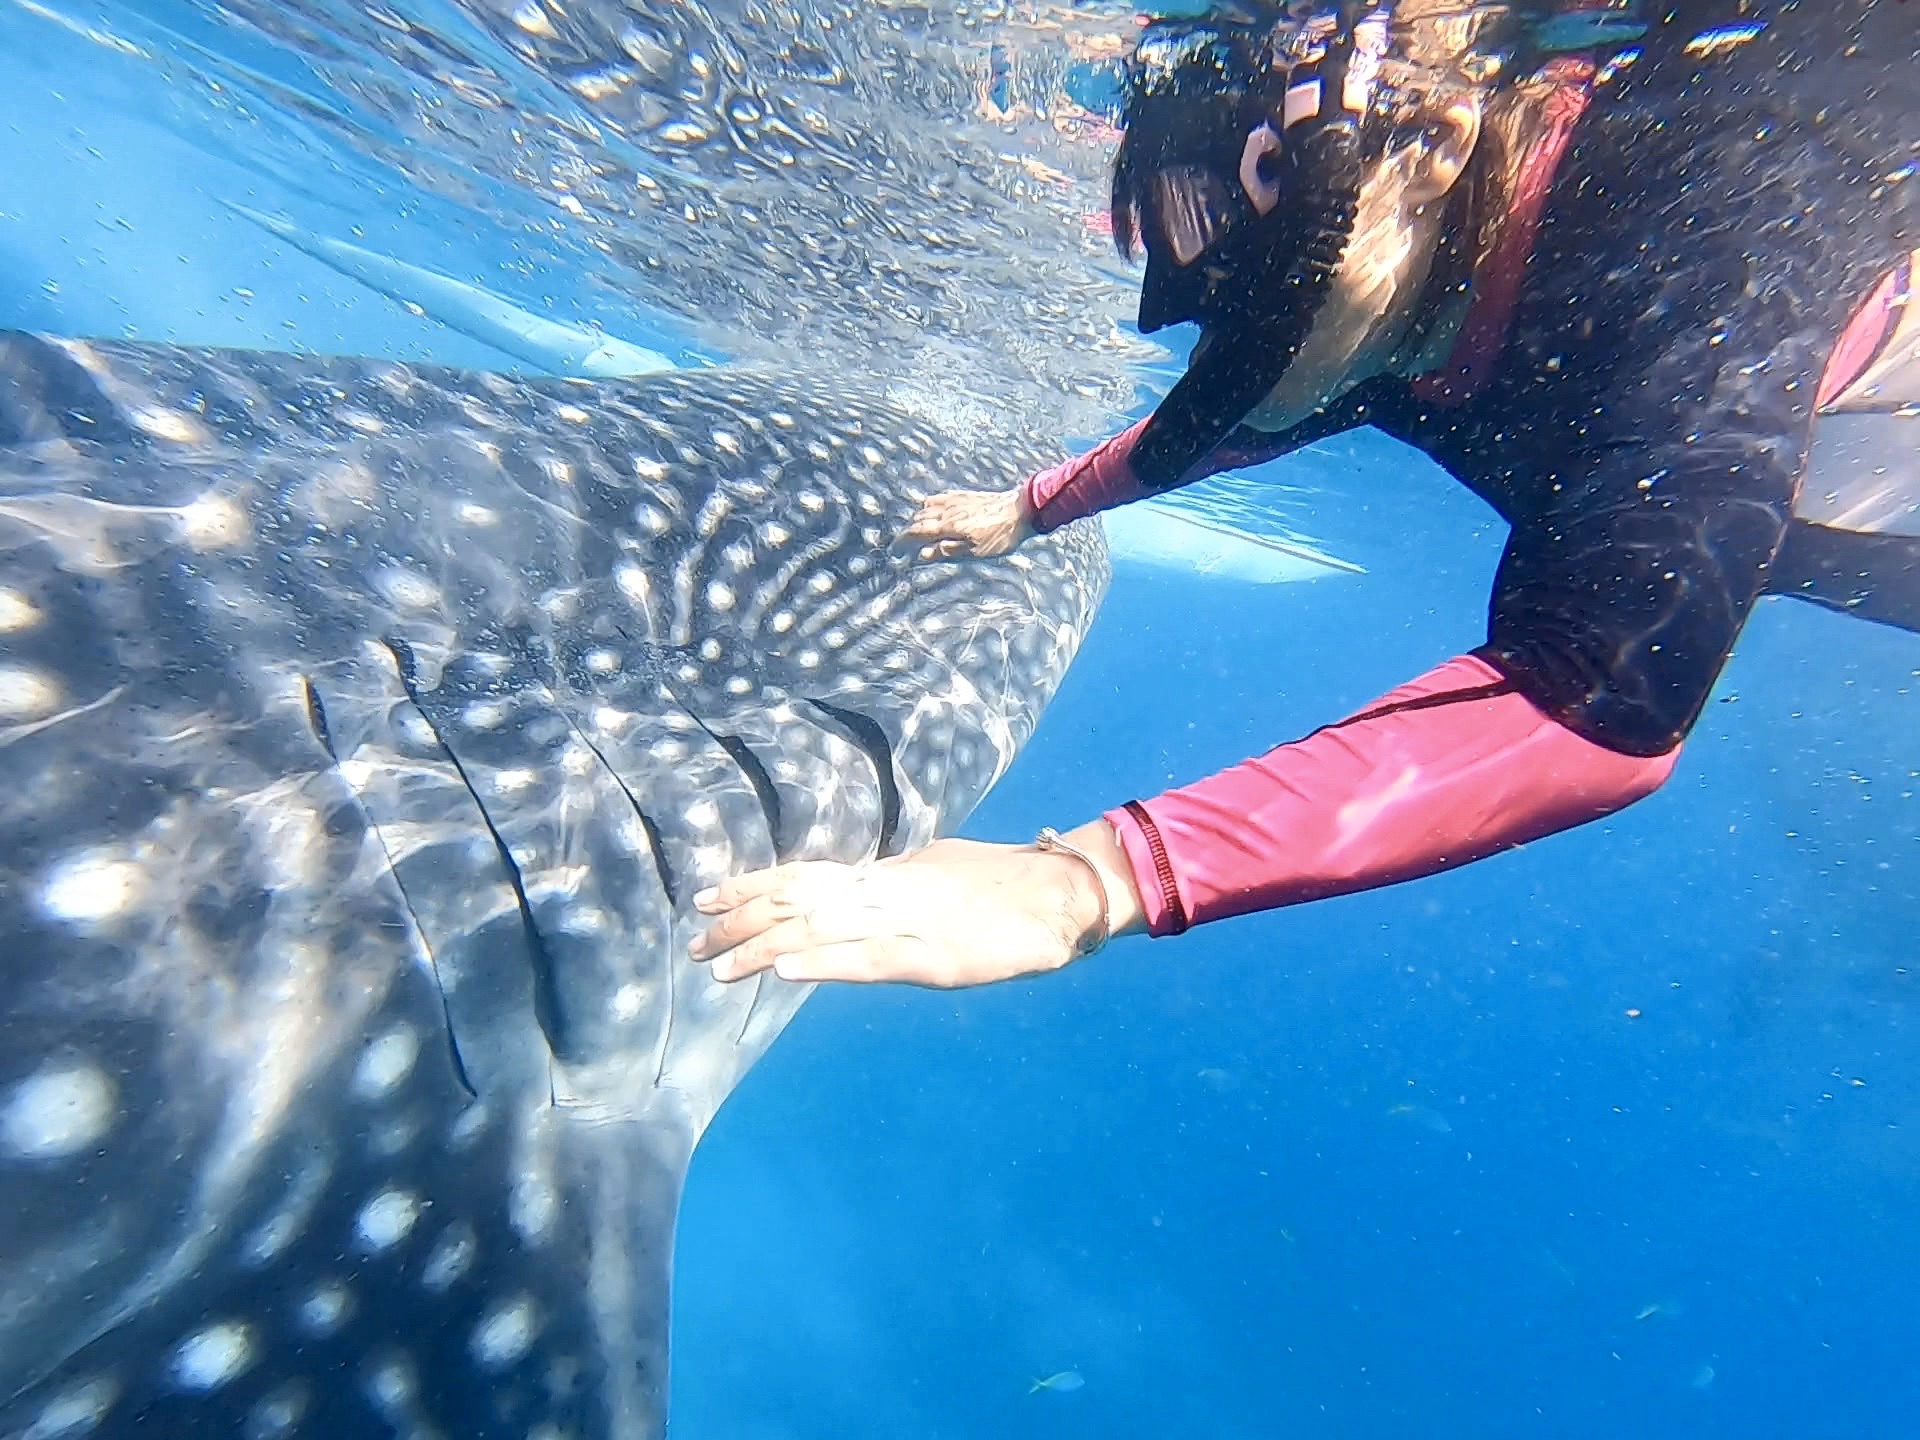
1087 484
1450 768
1104 477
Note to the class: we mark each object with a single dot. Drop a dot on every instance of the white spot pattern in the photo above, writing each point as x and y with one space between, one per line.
452 1256
392 1385
213 522
209 1358
385 1064
75 1411
279 1413
325 1309
634 584
57 1111
512 782
531 1207
17 612
387 1219
90 887
628 1001
407 589
26 694
505 1333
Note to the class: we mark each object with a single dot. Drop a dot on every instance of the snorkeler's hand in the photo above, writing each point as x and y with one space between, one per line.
956 913
970 522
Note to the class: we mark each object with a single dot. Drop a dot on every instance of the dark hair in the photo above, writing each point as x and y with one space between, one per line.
1190 85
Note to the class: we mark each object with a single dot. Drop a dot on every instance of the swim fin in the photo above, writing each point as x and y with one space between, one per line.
1854 543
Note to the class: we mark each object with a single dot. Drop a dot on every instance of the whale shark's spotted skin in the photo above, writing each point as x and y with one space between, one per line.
364 733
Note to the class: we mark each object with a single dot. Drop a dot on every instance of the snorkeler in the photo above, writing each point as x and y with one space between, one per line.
1608 270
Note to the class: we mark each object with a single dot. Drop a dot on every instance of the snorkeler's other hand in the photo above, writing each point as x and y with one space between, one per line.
957 913
970 522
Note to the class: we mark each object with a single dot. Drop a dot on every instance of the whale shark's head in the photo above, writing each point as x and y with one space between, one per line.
364 733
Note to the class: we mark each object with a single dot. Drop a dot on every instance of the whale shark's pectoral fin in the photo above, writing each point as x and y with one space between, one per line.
1854 542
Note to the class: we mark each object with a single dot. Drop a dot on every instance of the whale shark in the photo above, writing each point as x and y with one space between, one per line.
365 731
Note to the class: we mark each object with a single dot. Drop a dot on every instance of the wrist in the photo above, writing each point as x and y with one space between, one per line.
1025 513
1101 848
1074 907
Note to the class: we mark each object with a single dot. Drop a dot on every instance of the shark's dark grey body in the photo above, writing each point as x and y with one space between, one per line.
364 733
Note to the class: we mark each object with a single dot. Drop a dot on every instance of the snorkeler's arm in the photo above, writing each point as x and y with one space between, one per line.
1106 477
1085 485
1450 768
1609 626
1612 615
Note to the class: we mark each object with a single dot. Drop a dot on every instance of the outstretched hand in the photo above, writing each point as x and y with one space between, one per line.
970 522
957 913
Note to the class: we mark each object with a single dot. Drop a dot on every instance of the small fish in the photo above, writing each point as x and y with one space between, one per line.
1431 1121
1667 1308
1064 1382
1558 1268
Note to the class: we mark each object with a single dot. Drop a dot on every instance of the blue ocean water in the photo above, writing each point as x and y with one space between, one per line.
1609 1136
1399 1164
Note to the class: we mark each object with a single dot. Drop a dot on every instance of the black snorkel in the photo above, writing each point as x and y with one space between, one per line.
1305 96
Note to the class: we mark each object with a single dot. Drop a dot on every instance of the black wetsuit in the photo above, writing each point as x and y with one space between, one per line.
1712 227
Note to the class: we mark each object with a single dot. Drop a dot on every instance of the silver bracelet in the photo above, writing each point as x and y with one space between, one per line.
1049 839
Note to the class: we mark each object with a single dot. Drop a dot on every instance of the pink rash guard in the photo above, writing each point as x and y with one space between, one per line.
1614 608
1450 768
1098 480
1104 478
